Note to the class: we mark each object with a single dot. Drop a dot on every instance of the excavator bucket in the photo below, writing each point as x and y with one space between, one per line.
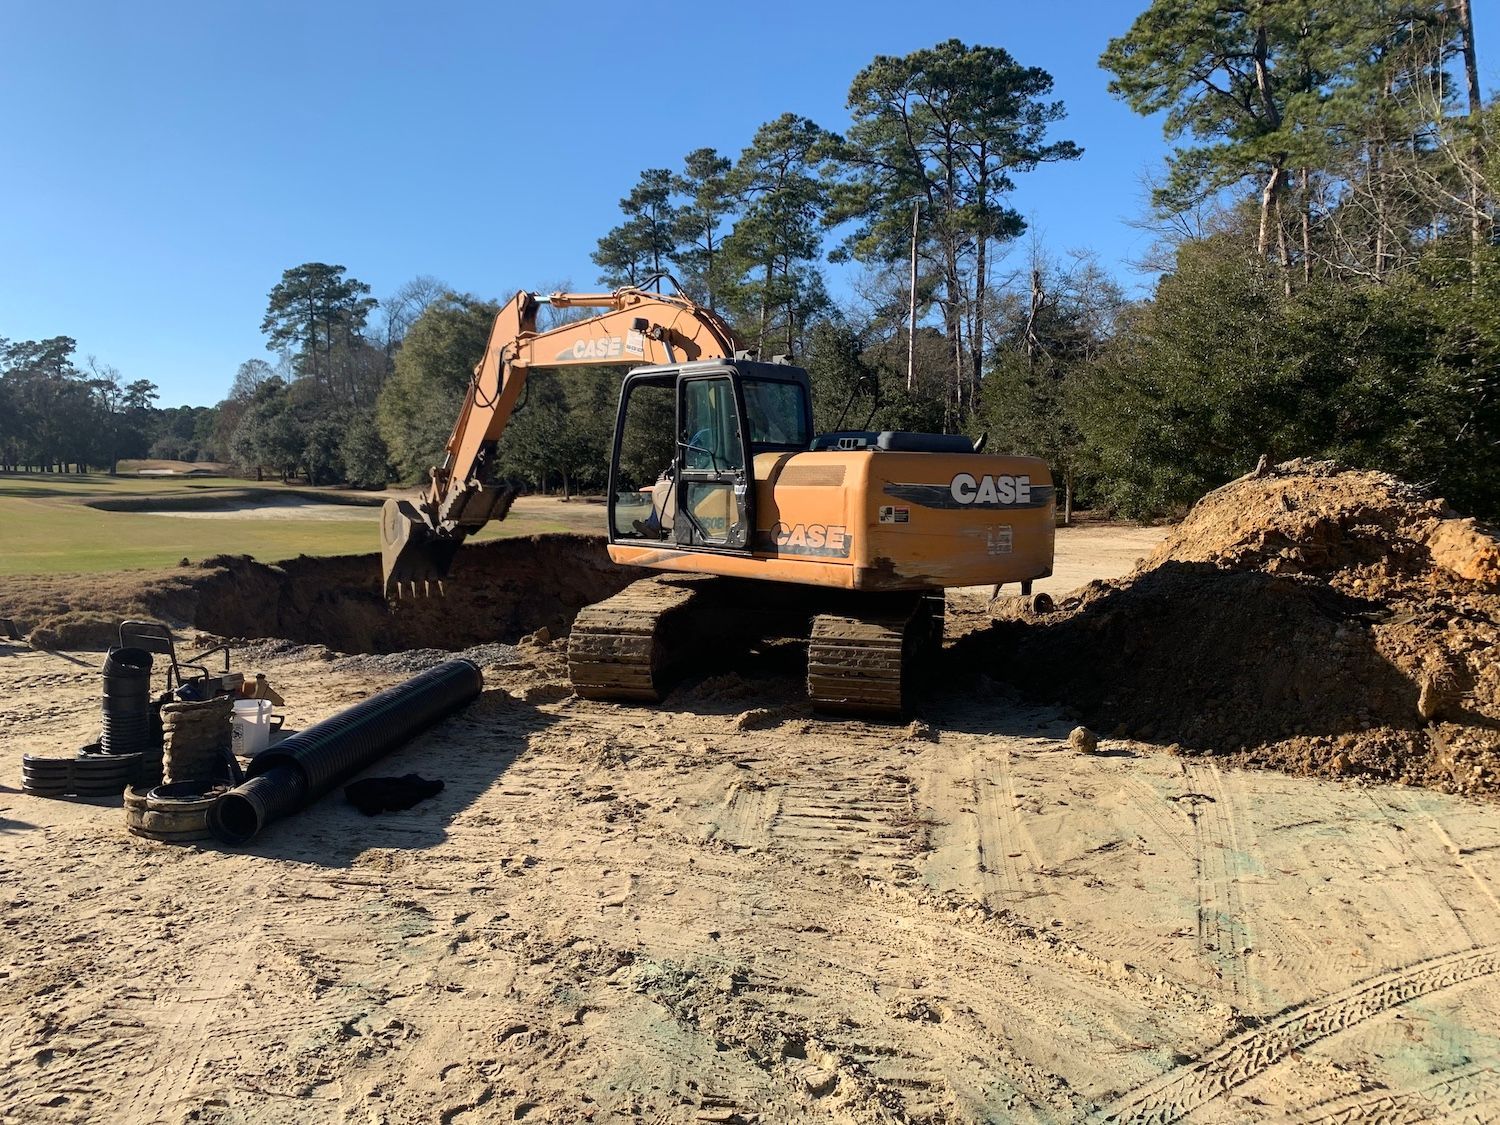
412 554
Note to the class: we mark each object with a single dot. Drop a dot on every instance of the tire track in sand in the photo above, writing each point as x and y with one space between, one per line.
867 822
1469 1088
70 1065
744 819
1008 858
1396 843
1222 937
1178 1092
183 1017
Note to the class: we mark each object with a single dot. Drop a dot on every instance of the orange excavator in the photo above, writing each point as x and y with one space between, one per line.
845 539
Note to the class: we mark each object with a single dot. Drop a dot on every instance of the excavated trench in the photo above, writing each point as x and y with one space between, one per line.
498 591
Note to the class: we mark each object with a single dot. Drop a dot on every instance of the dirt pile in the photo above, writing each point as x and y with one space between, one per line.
72 611
1311 618
499 591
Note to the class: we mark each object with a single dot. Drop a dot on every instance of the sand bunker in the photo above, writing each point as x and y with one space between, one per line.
245 503
295 507
1310 618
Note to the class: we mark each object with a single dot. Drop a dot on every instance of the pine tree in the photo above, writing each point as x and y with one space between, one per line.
646 241
777 238
701 219
316 310
945 130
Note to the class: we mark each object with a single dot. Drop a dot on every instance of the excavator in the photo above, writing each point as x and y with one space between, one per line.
762 528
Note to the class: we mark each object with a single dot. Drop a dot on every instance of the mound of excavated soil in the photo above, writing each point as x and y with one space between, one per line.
1310 618
498 591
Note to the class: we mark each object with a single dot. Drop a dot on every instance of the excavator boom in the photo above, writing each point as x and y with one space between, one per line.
636 328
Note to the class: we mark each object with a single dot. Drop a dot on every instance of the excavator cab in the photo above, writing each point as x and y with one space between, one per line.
686 437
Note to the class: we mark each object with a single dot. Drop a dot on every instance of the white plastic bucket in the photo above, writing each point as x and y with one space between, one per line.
251 729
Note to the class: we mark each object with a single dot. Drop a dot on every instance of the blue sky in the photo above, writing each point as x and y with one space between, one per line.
164 162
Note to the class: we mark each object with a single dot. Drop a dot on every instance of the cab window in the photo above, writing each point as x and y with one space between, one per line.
778 415
709 434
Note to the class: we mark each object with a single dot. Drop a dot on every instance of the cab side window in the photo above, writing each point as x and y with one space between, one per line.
710 440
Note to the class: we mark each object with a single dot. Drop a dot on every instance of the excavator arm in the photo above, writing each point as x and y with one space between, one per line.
636 329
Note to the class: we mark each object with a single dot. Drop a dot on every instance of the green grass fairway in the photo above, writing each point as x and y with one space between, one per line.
48 527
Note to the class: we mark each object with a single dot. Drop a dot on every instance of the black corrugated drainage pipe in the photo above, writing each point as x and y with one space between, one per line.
302 768
126 701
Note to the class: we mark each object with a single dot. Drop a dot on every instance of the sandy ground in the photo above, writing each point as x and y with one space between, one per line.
707 912
1087 552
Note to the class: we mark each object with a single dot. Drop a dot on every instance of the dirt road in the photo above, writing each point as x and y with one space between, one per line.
1086 552
727 910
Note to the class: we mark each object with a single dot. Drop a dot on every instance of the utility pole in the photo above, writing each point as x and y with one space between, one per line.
911 323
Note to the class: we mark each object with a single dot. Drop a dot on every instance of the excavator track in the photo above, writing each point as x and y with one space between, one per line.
861 661
865 664
623 647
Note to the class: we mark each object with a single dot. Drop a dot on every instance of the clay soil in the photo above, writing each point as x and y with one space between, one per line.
499 590
1307 618
727 909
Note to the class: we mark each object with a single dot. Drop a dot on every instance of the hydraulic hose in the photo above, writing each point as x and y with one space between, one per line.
308 764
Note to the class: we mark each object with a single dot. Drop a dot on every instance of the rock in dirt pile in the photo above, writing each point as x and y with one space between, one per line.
1307 617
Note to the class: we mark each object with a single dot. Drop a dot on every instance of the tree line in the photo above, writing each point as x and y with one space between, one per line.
58 413
1323 240
1328 247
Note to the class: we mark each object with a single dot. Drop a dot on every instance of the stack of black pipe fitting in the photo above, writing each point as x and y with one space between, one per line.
126 737
126 701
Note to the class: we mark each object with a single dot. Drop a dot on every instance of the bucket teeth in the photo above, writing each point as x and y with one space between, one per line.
411 550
